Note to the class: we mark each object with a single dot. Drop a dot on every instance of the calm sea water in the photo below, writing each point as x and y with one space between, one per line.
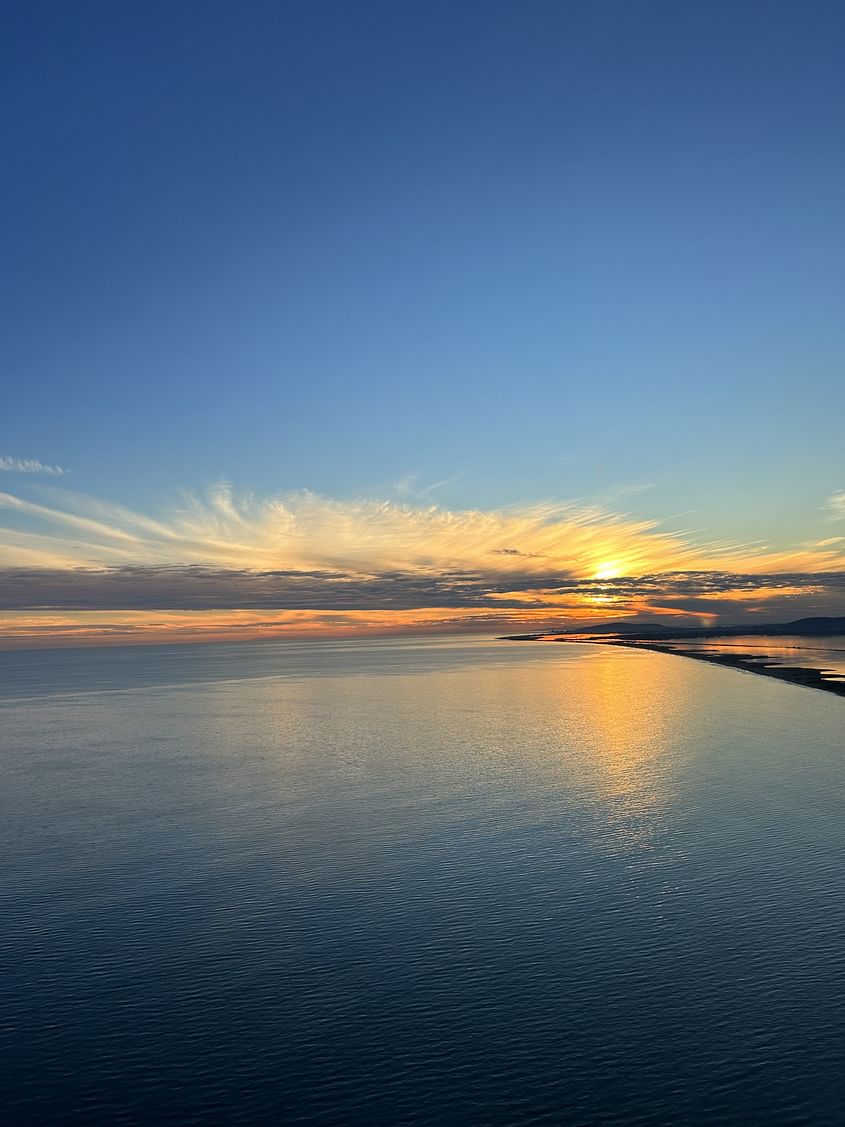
462 882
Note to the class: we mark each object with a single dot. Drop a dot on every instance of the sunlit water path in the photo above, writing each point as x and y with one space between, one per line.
418 882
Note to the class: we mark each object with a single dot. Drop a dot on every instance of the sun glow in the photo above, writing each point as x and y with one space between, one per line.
610 569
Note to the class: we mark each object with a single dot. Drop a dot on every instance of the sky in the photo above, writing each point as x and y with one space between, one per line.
324 317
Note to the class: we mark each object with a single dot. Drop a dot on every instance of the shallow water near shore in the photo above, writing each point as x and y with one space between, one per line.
823 653
425 882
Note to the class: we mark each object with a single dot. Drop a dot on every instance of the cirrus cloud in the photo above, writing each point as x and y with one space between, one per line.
28 465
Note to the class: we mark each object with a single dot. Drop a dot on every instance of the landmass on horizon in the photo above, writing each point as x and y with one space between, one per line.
819 626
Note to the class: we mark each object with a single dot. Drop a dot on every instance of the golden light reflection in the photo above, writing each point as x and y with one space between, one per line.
632 739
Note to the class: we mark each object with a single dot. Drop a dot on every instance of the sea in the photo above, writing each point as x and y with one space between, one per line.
418 881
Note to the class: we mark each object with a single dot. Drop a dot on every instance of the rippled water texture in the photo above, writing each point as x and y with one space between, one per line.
461 882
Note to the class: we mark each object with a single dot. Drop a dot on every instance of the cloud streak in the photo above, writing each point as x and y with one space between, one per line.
303 531
28 465
203 588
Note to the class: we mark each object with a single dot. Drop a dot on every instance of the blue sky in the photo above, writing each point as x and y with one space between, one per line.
477 254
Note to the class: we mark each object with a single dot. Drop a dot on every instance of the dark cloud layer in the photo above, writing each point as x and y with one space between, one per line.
202 588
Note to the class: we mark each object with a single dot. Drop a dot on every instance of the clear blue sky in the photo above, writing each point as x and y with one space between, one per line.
540 249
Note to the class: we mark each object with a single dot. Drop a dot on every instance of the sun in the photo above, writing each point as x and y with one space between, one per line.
607 570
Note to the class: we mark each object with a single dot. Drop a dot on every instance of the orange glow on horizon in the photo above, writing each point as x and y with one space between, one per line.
36 629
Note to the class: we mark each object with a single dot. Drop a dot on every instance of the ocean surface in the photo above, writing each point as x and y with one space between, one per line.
418 882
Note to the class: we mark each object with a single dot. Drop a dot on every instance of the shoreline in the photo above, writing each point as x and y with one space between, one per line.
809 677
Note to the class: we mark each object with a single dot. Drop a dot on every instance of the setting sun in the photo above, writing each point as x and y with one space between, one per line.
608 570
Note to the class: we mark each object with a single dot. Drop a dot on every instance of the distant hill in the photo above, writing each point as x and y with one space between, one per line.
660 631
802 627
623 627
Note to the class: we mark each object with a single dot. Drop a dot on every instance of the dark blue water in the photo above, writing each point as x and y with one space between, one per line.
429 883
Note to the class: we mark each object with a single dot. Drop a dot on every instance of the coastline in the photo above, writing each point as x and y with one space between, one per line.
810 677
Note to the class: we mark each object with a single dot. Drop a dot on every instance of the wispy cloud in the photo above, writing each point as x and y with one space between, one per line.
410 488
308 532
29 465
836 506
617 493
